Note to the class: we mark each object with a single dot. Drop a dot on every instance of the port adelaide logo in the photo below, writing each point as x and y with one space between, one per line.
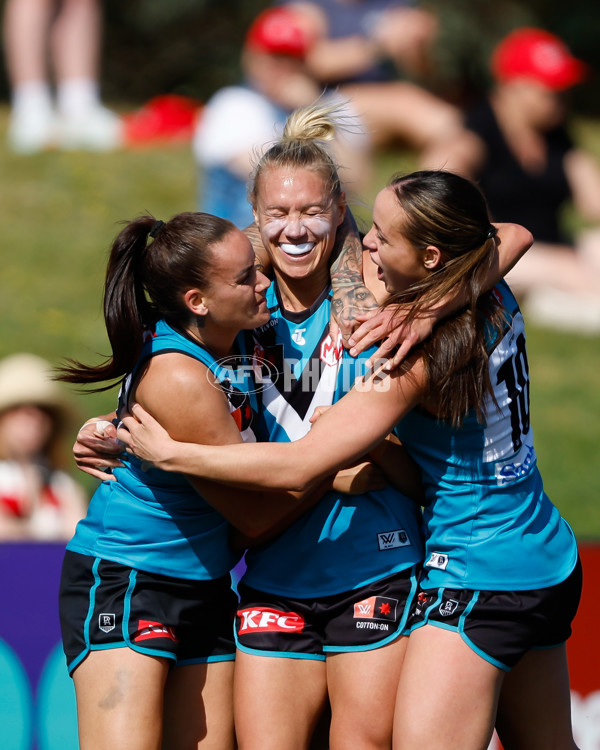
106 621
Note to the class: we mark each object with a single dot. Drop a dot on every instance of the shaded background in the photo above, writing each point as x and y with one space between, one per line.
191 47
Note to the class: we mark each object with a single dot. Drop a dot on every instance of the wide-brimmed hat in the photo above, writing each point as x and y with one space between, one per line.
537 55
27 379
280 31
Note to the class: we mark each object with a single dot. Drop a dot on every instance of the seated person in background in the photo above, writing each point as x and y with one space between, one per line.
362 47
238 122
519 150
38 499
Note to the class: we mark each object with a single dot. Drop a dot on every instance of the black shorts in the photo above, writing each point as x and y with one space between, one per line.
359 620
501 626
107 605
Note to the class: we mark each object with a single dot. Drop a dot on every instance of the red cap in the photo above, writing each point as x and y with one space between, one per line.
279 31
538 55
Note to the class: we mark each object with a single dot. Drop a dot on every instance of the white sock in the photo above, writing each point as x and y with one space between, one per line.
76 96
32 98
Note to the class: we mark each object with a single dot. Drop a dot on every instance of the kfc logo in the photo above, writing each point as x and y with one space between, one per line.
267 620
148 629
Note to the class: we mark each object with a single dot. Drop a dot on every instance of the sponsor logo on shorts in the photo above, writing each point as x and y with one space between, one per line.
448 607
376 608
437 560
106 621
422 600
267 620
148 629
393 539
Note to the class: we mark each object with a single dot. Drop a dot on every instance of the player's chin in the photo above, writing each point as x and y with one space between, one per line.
261 316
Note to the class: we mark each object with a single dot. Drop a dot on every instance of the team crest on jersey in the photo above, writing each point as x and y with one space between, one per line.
332 353
106 621
437 560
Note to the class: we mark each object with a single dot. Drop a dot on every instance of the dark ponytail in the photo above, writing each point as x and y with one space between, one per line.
151 266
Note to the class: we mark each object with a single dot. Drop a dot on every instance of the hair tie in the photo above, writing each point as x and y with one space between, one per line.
156 227
492 232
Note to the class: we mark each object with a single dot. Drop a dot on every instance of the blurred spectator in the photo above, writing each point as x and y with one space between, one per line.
38 499
517 147
362 47
65 34
239 121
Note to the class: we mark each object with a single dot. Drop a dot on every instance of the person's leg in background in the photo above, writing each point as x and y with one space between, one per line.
43 38
26 25
76 53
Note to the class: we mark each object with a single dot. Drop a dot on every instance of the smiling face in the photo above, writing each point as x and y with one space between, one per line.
298 218
399 263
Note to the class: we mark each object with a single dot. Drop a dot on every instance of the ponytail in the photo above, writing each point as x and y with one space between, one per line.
151 266
302 146
127 312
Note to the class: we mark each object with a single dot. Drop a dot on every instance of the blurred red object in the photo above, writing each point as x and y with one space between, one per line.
163 119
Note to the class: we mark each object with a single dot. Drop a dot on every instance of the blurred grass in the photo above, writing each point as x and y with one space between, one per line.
58 215
59 212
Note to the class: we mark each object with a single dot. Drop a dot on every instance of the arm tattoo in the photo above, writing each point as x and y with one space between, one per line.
350 296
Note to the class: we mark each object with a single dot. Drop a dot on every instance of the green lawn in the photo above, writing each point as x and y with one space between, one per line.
60 211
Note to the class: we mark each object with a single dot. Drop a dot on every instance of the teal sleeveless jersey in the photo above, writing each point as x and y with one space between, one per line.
154 520
488 522
345 541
